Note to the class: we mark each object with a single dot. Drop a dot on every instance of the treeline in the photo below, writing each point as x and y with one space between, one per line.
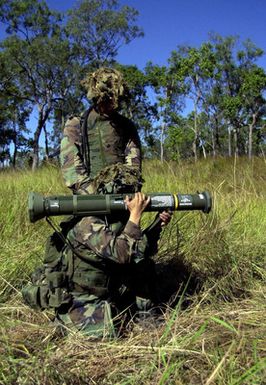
207 100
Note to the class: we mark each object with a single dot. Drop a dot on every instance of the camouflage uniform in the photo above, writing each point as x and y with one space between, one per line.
106 254
111 273
97 271
97 140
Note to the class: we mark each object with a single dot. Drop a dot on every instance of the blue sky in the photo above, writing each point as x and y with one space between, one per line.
168 23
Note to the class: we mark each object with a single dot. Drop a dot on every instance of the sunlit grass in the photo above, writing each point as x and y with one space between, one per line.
214 335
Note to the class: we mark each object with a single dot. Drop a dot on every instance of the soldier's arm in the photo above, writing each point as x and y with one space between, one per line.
73 168
133 149
94 234
154 231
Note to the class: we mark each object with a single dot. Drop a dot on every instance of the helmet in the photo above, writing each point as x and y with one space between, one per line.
117 178
105 85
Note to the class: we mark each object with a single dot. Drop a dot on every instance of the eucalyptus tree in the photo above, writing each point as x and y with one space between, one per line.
98 28
239 89
139 106
169 91
195 67
34 51
180 138
14 113
50 53
252 92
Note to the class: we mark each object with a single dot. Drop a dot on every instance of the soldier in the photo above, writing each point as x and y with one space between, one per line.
112 273
97 271
102 136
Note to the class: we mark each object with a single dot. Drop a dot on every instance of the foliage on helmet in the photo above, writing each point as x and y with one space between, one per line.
105 85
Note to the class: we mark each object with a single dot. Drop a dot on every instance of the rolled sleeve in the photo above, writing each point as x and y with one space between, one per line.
133 230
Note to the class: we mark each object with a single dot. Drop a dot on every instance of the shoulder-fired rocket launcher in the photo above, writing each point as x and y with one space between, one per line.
87 205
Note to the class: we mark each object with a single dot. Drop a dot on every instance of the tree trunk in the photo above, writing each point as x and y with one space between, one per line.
250 134
229 141
217 137
14 160
46 141
204 151
213 145
236 142
35 158
194 144
161 141
15 141
43 116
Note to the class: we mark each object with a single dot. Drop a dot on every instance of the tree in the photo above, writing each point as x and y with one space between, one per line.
14 113
252 90
170 101
34 54
49 55
226 89
195 68
180 138
236 67
98 28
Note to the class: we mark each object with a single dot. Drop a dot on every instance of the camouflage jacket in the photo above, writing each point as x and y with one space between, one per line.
103 240
111 280
101 251
109 140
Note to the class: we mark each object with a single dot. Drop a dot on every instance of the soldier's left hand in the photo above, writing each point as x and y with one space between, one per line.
165 217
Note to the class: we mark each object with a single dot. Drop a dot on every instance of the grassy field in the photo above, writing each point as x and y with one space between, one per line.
215 331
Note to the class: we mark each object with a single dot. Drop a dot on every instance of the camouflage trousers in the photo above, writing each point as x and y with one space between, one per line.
89 315
97 318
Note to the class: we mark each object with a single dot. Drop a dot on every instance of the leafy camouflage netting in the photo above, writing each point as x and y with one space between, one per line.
104 85
118 178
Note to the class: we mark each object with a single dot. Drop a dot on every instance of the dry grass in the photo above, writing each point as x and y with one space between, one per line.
215 334
201 345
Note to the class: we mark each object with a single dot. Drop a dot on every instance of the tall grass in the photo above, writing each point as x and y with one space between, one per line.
21 242
215 334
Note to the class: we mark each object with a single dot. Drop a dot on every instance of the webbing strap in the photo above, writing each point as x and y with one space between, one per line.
84 138
101 146
75 204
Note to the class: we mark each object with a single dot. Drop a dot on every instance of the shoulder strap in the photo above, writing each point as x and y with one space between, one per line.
84 139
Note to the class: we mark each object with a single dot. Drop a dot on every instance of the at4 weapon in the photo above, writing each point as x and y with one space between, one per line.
86 205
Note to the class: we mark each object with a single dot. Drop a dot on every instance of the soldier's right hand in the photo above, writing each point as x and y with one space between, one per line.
136 206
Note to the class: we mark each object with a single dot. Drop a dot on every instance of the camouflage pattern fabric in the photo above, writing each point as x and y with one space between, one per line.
72 165
110 140
110 270
96 235
106 85
117 178
90 316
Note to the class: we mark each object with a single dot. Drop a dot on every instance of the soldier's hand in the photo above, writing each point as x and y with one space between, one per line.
165 217
136 206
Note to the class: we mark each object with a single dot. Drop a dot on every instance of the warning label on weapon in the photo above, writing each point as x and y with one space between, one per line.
184 200
162 201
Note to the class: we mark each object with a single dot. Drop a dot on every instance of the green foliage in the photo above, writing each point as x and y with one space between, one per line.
28 17
217 88
99 27
14 114
139 107
48 54
216 335
179 140
226 89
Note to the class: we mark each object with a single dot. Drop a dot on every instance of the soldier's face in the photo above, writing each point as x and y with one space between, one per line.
106 107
